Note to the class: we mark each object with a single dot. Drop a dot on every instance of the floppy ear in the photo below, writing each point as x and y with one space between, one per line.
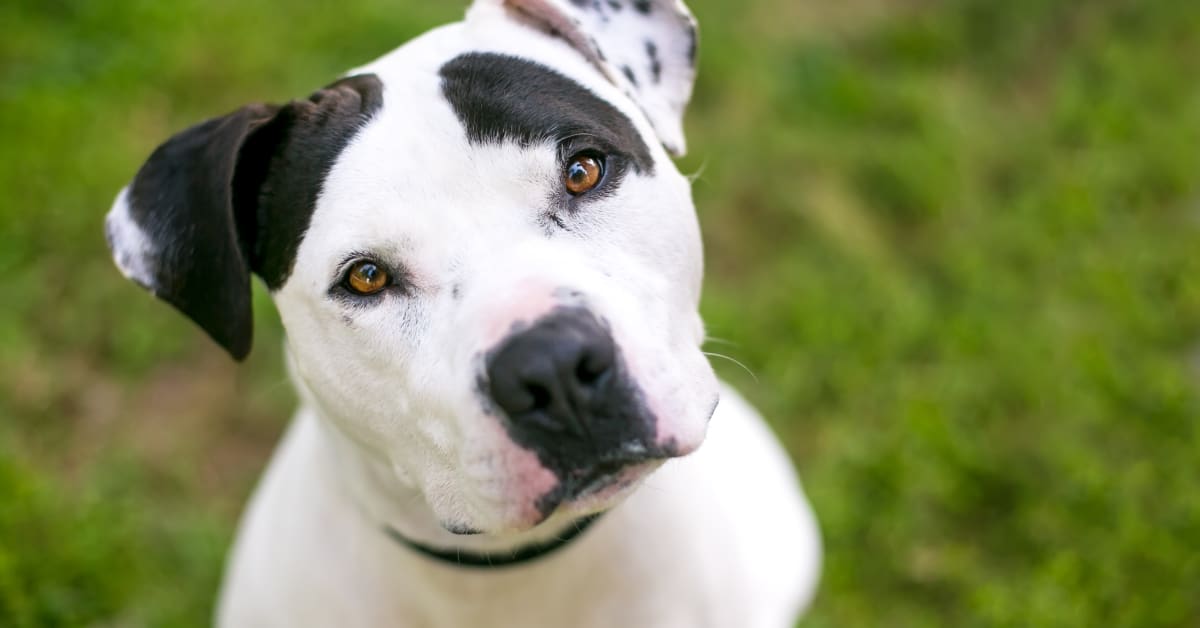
174 229
229 197
647 48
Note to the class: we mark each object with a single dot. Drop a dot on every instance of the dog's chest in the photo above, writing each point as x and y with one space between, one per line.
567 594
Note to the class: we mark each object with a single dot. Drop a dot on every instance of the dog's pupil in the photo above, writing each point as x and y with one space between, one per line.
583 175
367 278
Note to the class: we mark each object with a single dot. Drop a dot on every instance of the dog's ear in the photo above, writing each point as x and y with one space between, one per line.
647 48
175 229
230 197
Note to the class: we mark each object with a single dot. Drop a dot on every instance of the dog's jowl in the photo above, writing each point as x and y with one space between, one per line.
489 269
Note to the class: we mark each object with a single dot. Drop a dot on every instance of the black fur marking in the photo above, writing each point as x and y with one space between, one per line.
598 50
655 62
628 72
499 99
614 5
558 222
235 194
643 6
298 148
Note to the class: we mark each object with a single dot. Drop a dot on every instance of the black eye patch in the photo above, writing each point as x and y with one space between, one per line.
500 98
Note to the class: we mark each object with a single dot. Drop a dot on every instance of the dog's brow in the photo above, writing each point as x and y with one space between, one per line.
575 136
499 98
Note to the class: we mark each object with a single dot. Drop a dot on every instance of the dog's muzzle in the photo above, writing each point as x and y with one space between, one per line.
567 396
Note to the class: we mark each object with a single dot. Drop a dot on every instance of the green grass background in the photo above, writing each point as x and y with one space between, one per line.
957 242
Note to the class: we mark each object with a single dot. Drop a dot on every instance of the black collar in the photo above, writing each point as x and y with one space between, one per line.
485 560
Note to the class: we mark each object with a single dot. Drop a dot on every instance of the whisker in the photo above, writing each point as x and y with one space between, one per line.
721 341
568 138
744 367
695 176
270 388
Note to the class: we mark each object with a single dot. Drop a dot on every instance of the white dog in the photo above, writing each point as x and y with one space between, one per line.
489 270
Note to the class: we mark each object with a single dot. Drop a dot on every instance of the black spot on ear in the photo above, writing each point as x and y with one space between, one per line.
628 72
643 6
596 47
655 62
499 98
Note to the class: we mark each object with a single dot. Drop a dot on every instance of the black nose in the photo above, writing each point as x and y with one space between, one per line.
556 375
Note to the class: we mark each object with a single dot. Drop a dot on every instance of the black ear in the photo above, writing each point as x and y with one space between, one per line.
174 230
230 197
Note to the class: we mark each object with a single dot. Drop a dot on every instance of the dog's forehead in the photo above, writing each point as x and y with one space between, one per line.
459 103
537 82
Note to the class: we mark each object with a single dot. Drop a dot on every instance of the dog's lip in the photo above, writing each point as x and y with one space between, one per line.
600 476
459 529
615 475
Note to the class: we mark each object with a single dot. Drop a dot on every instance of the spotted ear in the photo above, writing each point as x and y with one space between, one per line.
647 48
229 197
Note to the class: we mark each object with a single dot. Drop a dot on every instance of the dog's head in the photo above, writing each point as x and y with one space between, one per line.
486 262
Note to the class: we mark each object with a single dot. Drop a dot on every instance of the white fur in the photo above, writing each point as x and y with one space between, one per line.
392 431
134 251
719 539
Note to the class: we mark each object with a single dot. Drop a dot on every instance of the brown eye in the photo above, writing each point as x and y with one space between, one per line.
366 278
583 174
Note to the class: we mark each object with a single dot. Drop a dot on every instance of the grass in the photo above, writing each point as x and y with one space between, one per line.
957 242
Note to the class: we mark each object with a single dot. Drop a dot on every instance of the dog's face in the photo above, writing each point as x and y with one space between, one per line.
487 265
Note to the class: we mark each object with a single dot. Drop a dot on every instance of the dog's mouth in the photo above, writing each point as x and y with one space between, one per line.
595 488
606 475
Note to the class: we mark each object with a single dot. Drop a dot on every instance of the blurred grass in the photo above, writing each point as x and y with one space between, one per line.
957 241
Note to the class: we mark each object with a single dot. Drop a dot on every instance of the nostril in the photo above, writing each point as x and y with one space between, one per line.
554 375
591 368
512 399
596 359
541 396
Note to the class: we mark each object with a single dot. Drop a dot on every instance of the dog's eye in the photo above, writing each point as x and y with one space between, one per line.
366 278
584 173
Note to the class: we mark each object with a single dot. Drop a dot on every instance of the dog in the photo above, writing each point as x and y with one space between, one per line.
488 269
